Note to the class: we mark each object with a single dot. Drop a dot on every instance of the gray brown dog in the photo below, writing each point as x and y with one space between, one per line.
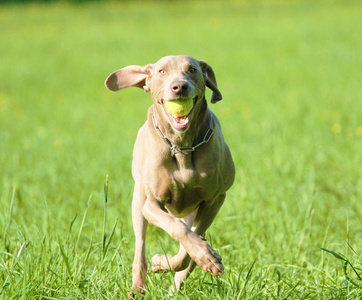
181 166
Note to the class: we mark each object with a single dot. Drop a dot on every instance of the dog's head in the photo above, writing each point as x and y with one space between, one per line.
177 84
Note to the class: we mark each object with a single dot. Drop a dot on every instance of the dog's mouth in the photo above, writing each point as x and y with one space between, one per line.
179 111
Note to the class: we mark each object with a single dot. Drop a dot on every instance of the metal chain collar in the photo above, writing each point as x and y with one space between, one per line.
179 149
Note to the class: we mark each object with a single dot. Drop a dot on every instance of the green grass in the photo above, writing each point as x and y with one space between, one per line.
290 74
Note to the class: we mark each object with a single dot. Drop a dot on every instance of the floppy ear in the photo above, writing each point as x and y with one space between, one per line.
210 81
129 76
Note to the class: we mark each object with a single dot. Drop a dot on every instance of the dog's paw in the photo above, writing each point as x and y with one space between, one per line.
132 295
207 258
212 262
161 263
140 290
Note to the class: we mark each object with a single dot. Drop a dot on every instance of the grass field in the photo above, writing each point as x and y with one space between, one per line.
290 74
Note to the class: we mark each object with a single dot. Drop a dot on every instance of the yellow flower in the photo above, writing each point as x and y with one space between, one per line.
336 128
359 130
57 144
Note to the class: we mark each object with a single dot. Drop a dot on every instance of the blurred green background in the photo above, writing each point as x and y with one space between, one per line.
290 74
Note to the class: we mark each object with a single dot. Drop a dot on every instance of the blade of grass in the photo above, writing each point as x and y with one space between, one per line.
66 261
110 239
83 221
335 254
279 277
72 223
105 215
247 278
10 219
86 258
169 266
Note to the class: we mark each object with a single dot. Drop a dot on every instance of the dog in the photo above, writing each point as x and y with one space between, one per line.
181 166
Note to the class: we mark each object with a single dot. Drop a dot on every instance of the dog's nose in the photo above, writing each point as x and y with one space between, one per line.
180 87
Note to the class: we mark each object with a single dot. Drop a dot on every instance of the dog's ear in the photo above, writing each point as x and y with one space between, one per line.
129 76
210 81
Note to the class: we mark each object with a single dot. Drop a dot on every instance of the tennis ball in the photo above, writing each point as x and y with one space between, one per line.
179 107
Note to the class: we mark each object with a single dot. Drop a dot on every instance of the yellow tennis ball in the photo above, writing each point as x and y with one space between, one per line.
179 107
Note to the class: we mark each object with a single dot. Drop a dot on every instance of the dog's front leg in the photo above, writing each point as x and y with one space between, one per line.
205 217
139 270
196 246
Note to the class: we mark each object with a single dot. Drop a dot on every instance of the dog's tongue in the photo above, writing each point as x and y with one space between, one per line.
179 123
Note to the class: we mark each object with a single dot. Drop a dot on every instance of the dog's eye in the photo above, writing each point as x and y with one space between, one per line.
192 69
162 71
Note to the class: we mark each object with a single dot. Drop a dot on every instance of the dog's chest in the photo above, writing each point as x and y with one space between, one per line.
187 188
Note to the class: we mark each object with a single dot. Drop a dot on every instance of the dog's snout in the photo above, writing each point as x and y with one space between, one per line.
180 87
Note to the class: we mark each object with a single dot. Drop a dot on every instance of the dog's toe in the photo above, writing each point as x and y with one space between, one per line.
212 265
216 269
